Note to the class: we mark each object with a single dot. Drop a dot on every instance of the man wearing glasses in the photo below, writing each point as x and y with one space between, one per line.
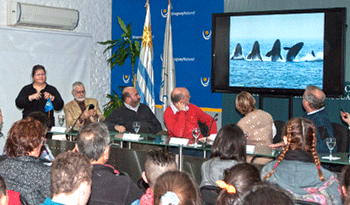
81 110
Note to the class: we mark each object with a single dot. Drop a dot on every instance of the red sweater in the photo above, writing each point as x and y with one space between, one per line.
182 123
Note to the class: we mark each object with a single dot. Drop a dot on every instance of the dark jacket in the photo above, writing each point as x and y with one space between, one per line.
110 187
124 116
28 107
27 175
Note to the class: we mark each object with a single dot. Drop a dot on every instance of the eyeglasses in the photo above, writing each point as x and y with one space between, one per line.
39 74
80 92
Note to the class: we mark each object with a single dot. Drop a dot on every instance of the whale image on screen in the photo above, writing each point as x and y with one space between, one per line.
277 51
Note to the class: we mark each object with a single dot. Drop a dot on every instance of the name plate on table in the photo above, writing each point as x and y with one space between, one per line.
131 137
58 129
250 149
178 141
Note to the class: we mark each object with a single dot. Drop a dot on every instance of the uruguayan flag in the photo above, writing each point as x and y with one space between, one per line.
144 77
48 105
168 82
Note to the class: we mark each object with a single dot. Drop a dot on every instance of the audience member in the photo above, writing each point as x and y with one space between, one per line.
78 111
257 125
237 181
265 194
228 150
2 137
182 116
22 170
122 118
314 101
158 161
176 188
346 185
34 97
108 185
3 192
296 167
70 179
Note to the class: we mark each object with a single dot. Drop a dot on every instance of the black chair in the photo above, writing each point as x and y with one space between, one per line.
209 194
341 134
279 127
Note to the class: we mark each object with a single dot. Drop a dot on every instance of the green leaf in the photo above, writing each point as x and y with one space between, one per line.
122 25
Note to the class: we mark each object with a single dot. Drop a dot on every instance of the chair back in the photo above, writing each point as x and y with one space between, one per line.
341 134
279 127
209 194
301 202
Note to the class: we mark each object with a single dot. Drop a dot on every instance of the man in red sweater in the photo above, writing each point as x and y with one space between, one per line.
182 116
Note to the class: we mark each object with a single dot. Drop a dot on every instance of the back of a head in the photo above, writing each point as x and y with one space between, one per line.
230 143
69 170
24 136
93 139
240 177
3 190
265 194
41 117
315 96
346 185
175 187
159 161
245 102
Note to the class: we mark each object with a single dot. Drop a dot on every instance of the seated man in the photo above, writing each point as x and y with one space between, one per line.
314 100
81 110
182 116
157 162
122 118
108 185
70 179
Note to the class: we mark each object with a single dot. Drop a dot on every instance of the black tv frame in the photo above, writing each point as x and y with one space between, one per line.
334 53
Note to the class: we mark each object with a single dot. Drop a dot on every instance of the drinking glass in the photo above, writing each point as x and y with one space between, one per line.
61 120
136 126
331 142
196 132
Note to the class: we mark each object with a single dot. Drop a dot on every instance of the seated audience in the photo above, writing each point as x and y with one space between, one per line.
2 137
158 161
256 124
237 181
108 185
3 192
314 101
122 118
228 150
70 179
298 168
265 194
346 186
182 116
22 170
175 187
78 111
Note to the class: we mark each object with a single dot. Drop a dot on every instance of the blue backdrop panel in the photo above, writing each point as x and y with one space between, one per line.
191 29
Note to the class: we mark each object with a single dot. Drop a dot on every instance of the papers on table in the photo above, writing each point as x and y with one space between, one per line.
131 136
58 129
250 149
331 159
178 141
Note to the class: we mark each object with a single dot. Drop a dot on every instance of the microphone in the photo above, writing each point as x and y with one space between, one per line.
71 129
206 139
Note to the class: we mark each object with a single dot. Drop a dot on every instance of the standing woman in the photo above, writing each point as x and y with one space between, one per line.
33 97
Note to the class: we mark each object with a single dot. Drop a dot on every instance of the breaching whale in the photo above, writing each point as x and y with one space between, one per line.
275 53
293 51
255 54
238 53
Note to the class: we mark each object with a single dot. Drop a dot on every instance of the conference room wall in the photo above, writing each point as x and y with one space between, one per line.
276 106
95 22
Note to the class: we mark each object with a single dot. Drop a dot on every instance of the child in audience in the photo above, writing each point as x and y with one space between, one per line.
265 194
158 161
237 181
176 188
296 167
346 186
228 150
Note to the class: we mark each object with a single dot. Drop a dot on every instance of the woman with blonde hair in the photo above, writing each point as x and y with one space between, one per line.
298 168
257 125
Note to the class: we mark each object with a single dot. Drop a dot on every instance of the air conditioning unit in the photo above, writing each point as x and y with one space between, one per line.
31 15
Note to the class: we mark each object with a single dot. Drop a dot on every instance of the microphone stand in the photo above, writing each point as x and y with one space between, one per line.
206 139
71 129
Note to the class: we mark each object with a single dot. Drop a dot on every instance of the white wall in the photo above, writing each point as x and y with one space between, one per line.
95 21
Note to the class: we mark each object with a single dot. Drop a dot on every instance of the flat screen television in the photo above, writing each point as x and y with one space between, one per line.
279 52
